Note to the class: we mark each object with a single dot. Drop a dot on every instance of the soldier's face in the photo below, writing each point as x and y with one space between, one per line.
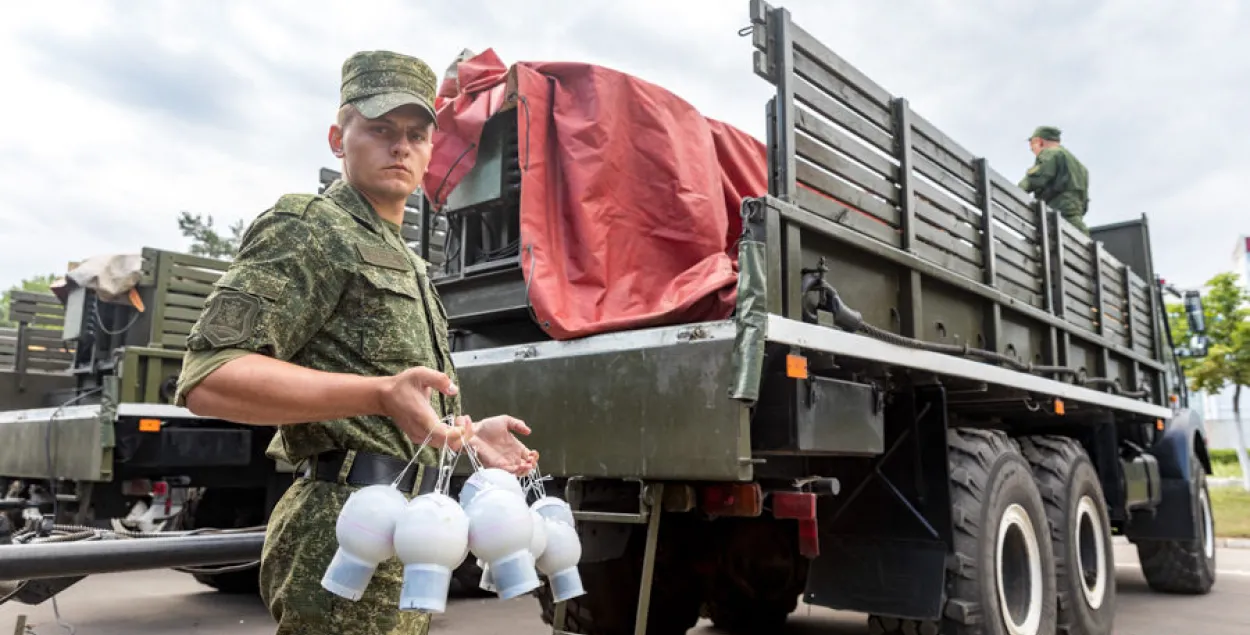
388 156
1035 144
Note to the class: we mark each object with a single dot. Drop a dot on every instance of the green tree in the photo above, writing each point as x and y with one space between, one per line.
206 241
1226 309
36 284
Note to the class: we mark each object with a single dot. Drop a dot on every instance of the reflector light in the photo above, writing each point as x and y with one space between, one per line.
796 366
799 505
733 499
809 538
149 425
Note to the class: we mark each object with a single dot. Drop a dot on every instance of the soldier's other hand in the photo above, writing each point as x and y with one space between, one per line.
405 398
496 446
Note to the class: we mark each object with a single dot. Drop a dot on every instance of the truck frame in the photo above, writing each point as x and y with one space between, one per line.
935 403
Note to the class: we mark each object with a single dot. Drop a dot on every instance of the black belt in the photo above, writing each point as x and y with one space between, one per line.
370 469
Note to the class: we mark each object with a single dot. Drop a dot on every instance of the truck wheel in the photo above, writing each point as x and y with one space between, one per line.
1001 580
1080 533
611 600
759 577
226 509
1184 566
468 578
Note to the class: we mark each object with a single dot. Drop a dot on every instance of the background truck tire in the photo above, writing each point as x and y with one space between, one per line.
997 510
226 509
611 599
759 575
1184 566
1080 533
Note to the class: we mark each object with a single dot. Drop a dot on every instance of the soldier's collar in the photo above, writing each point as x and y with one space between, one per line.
350 199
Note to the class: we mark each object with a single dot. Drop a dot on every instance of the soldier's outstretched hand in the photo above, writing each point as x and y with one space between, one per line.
497 447
406 400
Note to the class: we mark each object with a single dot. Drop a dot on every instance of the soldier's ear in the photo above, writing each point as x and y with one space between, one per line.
335 138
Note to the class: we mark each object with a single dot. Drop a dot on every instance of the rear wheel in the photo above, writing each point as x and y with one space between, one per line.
1001 579
759 576
610 603
1184 566
226 509
1080 533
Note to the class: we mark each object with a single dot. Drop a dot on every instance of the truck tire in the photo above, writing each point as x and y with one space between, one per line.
226 509
611 600
1184 566
759 577
468 579
1080 533
1002 571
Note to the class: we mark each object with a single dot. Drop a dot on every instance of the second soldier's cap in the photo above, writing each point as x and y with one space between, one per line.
377 82
1049 133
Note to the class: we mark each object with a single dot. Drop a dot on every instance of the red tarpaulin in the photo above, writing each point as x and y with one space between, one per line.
630 198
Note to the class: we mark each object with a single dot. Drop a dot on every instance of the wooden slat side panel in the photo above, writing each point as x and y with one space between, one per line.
839 213
830 185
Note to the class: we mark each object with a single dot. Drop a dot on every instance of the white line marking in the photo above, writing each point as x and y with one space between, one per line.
1218 572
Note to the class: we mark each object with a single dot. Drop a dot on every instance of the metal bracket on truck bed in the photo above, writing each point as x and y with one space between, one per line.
650 501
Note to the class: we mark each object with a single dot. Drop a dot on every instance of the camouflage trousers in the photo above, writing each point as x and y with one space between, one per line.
299 545
1072 212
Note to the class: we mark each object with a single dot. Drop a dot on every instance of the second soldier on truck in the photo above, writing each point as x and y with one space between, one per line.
1057 178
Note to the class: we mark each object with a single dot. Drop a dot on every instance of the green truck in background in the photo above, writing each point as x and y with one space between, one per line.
937 414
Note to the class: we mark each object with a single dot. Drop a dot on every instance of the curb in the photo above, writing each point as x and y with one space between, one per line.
1224 481
1222 543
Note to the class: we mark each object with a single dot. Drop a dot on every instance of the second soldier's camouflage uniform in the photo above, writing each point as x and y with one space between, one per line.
324 282
1060 180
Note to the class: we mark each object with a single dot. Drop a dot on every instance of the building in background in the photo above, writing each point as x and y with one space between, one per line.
1217 409
1241 260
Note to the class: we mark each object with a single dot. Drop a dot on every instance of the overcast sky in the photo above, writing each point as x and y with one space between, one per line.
121 114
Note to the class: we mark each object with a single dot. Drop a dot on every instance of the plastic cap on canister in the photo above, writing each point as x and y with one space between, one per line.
555 509
559 561
500 532
365 532
491 477
487 583
431 538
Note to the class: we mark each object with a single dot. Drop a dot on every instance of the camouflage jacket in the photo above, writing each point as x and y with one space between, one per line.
1058 179
325 283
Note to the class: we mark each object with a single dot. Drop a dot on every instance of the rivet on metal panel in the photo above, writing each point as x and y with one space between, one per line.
692 334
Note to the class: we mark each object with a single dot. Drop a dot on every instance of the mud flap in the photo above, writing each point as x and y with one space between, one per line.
1174 519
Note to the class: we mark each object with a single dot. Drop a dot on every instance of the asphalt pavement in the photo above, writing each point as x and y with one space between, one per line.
159 602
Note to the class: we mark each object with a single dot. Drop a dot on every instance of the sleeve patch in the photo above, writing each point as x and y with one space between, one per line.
253 280
230 318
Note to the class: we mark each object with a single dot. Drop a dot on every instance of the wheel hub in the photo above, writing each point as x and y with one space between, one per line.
1018 567
1091 551
1208 525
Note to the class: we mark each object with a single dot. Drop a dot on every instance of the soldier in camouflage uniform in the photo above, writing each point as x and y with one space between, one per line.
1057 177
327 326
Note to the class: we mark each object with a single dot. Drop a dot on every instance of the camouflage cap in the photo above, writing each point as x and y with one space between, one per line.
1049 133
377 82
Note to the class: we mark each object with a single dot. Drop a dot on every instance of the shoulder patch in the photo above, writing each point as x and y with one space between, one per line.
230 318
294 204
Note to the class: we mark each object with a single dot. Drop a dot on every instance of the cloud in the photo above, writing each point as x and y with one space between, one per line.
129 114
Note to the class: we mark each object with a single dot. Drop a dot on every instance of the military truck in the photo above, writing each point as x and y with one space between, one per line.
935 402
931 399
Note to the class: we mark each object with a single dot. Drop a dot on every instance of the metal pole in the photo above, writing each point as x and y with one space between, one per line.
56 560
